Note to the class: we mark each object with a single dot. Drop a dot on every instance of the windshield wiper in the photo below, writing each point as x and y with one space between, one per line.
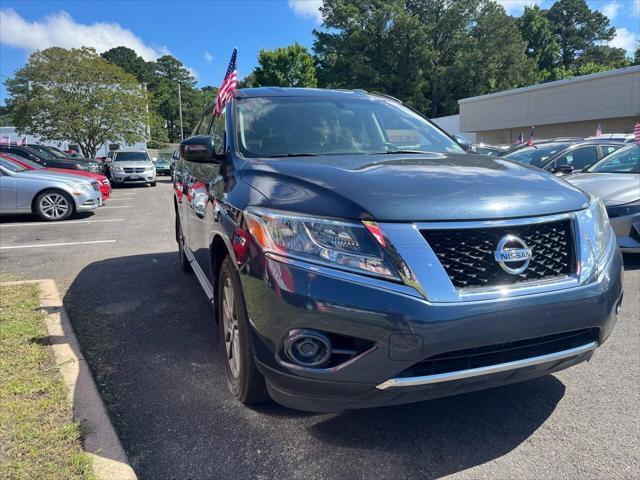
394 152
291 155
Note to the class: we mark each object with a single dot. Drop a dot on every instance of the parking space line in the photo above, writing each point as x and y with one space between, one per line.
117 206
55 244
60 223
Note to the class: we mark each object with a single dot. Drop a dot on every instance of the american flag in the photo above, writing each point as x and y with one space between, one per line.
598 131
228 85
636 132
23 141
530 141
5 140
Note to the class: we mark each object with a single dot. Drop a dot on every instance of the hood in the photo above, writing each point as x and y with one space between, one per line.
58 177
611 188
133 164
411 187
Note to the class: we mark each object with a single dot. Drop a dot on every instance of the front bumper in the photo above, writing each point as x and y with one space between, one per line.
405 329
138 178
88 202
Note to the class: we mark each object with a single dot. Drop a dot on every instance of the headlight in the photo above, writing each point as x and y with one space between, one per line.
624 210
82 166
603 231
117 169
339 244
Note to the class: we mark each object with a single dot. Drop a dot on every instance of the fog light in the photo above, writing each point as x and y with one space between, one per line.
308 348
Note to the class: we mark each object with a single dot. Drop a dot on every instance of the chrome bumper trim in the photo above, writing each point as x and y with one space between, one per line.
476 372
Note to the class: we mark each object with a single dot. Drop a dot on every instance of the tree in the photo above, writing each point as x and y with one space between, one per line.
290 66
77 95
605 56
577 27
131 63
542 45
636 58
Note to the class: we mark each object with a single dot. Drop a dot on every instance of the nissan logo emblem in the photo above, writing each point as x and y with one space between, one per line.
512 254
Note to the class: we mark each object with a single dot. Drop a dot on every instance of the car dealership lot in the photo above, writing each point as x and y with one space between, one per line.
146 330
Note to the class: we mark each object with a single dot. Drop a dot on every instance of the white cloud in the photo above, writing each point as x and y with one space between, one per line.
516 7
636 8
611 9
207 56
307 9
624 39
194 73
60 30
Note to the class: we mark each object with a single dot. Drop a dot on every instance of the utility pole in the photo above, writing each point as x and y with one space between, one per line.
180 110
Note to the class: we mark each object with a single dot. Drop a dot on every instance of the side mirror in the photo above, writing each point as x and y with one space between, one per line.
199 149
563 170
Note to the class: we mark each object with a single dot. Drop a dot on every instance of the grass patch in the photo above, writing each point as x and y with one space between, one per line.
38 437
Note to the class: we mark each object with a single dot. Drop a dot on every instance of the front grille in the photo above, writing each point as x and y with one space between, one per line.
134 170
501 353
467 255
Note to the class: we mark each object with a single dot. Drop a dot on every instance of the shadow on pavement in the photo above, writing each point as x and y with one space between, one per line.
631 261
147 332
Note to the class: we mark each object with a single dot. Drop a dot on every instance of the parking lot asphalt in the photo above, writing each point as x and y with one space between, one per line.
147 332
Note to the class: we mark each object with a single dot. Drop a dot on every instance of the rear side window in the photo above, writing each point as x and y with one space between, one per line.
607 149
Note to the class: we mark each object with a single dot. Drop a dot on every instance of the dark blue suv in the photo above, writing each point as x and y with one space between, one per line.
356 256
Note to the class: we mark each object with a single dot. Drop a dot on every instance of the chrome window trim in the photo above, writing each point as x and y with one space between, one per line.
489 369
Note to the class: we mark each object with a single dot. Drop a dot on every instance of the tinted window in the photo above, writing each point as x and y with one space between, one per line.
607 149
12 167
579 158
43 151
33 165
132 157
217 132
626 160
535 155
279 126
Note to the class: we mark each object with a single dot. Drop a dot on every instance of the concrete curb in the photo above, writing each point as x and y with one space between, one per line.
100 439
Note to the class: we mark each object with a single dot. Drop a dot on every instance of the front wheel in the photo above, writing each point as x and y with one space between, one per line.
153 184
54 205
244 380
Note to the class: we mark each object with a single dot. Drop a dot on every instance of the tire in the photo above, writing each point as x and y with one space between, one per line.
244 380
185 266
153 184
54 205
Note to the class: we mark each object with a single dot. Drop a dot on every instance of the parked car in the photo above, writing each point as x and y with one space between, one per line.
484 149
56 152
347 271
564 158
105 185
52 196
132 166
47 159
616 180
174 158
620 137
163 166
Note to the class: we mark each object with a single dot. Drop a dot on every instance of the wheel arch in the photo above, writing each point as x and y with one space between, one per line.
220 248
52 189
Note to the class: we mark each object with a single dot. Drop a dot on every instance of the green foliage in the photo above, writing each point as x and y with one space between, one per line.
290 66
577 27
426 52
130 62
537 31
76 95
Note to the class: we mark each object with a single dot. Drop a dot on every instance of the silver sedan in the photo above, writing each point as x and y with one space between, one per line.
616 181
52 196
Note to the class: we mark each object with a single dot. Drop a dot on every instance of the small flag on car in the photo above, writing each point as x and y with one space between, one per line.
598 131
229 84
23 141
530 141
5 140
636 132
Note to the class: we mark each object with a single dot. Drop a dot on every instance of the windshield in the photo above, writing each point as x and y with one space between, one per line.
55 152
9 165
536 155
43 151
132 157
625 160
292 126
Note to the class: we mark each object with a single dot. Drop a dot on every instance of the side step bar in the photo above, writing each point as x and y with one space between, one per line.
489 369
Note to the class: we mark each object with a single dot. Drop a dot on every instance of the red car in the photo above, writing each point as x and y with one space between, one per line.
105 185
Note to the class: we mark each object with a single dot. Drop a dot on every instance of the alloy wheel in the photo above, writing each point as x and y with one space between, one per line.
54 206
231 333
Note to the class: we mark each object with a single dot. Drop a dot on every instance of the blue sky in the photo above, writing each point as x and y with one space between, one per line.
199 33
